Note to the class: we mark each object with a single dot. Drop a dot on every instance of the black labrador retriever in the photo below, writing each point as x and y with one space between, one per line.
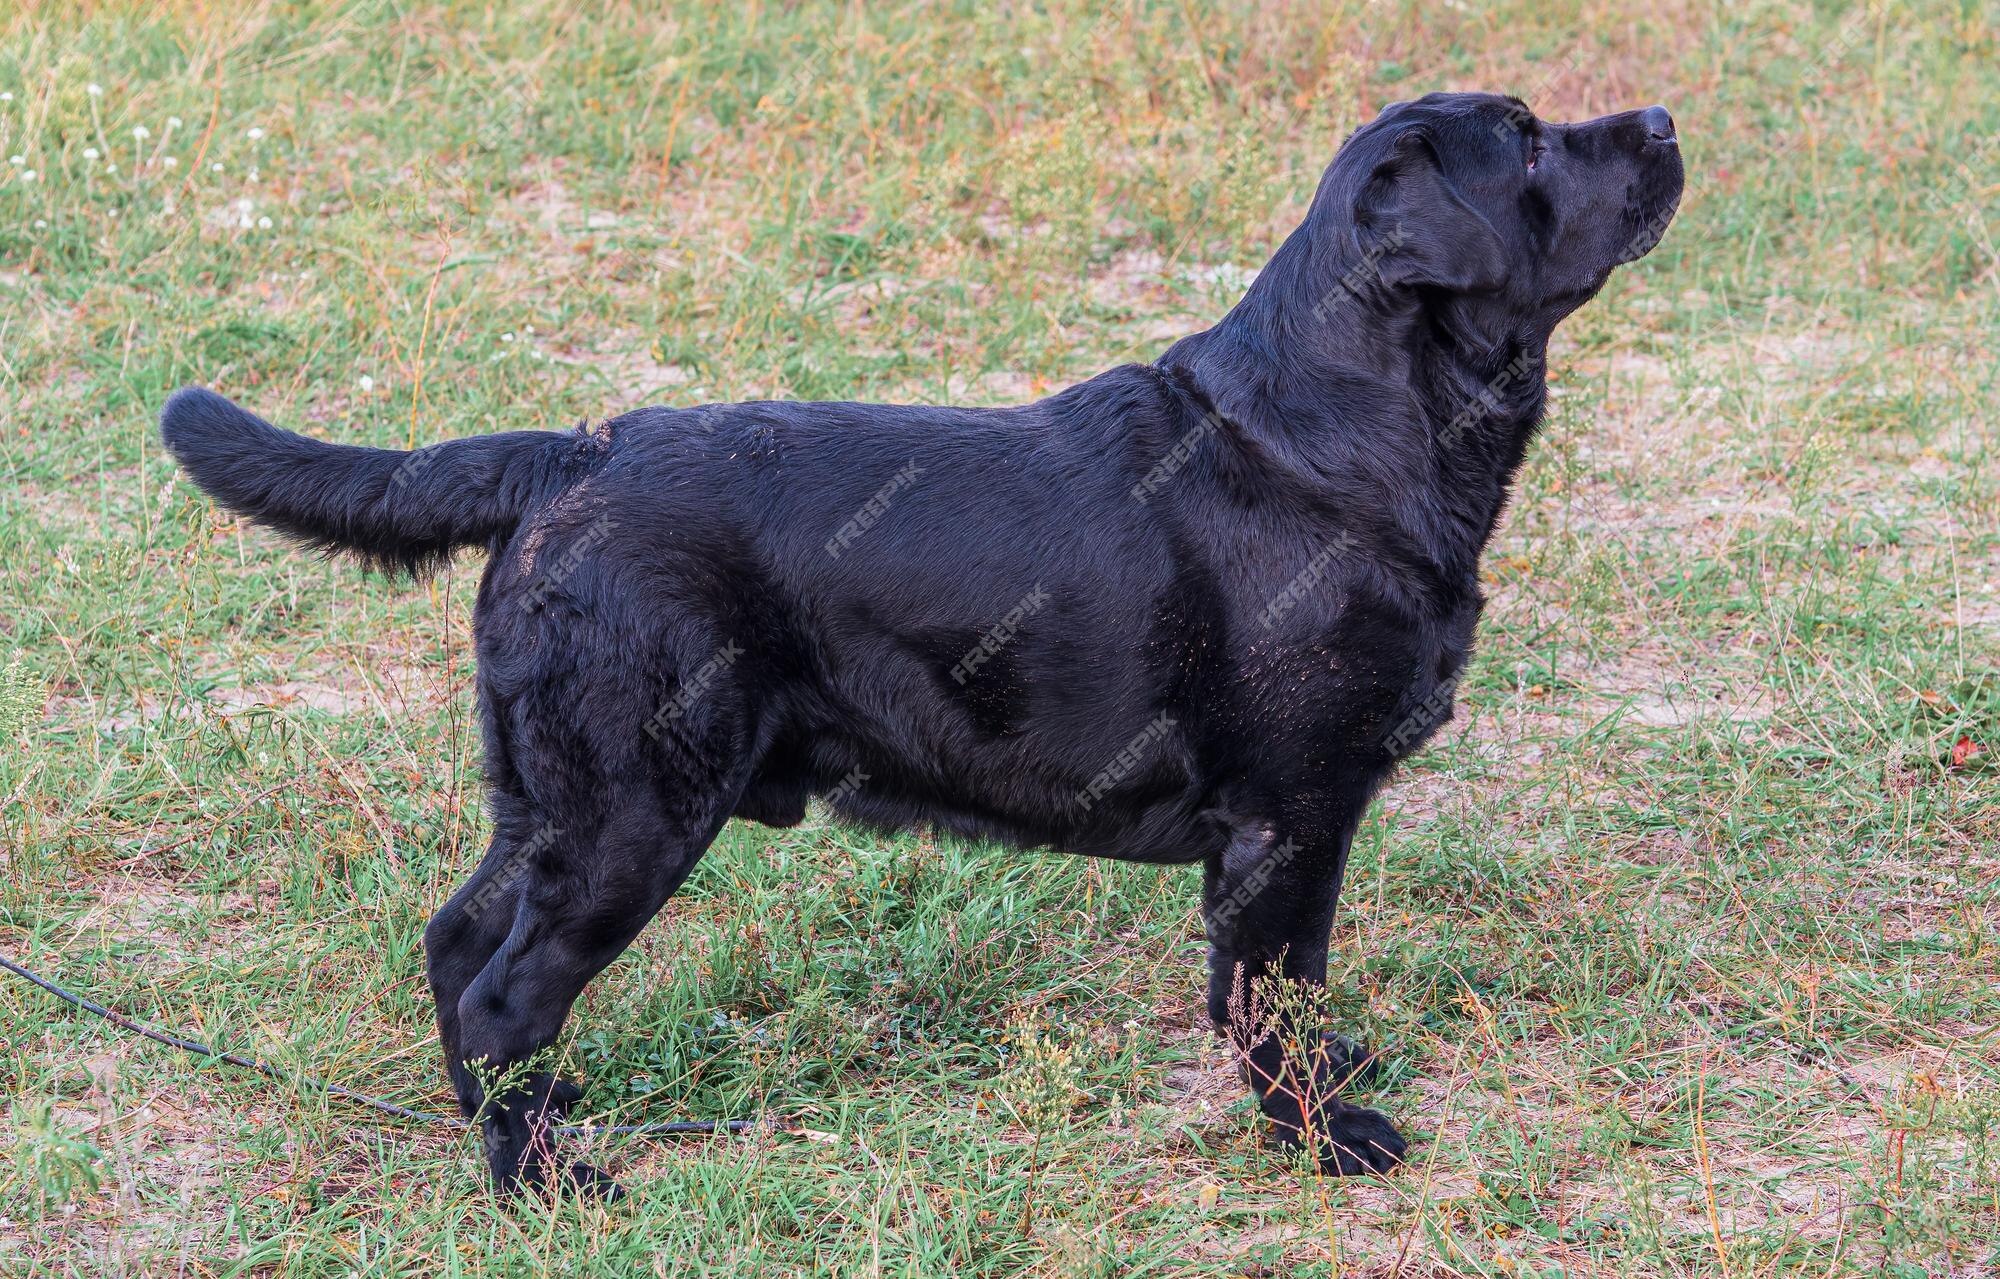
1191 611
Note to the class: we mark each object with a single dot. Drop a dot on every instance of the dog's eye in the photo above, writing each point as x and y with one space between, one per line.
1535 154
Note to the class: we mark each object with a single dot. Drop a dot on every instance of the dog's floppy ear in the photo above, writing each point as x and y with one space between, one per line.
1410 219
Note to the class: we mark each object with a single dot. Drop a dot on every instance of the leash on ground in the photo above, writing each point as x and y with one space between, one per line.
199 1049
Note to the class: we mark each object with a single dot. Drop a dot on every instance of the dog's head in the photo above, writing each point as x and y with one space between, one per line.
1470 196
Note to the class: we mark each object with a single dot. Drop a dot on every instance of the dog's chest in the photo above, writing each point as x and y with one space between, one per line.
1425 702
1372 679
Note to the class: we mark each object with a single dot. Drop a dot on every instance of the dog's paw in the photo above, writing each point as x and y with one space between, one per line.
588 1181
1348 1141
1359 1140
546 1177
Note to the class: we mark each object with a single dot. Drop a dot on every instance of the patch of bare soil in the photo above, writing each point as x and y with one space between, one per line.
631 368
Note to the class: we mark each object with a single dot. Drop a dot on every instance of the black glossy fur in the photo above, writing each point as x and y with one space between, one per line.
1186 612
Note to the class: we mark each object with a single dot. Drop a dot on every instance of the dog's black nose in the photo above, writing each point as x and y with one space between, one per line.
1658 123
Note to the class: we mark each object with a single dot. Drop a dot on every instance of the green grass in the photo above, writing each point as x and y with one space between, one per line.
1686 937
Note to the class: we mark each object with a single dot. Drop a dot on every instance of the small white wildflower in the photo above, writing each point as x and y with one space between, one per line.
173 122
528 329
17 160
367 384
6 97
141 132
41 224
27 175
254 133
244 204
506 337
263 224
111 168
93 89
171 162
216 167
90 153
244 222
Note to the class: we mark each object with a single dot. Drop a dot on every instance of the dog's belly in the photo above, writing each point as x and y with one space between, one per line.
1163 833
1164 820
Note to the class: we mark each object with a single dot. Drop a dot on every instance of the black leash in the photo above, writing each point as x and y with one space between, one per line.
200 1049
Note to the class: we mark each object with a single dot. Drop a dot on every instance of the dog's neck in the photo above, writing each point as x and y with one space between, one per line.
1376 391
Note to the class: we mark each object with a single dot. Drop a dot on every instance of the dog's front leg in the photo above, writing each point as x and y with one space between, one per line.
1269 901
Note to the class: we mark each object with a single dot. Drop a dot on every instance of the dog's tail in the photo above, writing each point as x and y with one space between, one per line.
396 510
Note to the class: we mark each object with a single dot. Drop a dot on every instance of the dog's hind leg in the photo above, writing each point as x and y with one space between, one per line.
462 936
1268 900
581 901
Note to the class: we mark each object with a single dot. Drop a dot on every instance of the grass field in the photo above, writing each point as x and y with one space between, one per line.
1685 937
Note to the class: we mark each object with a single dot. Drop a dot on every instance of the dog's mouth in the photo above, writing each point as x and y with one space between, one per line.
1645 227
1646 217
